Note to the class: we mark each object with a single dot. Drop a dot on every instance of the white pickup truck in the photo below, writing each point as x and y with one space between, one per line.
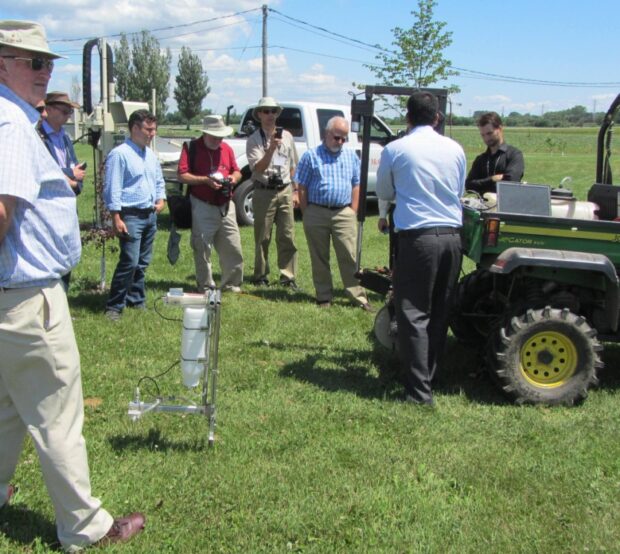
306 122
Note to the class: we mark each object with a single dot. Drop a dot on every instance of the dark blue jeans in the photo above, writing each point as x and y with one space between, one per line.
127 288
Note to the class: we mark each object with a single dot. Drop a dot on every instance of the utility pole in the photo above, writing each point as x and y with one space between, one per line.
264 49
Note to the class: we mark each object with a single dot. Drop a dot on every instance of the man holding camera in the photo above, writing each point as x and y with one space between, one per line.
272 157
207 165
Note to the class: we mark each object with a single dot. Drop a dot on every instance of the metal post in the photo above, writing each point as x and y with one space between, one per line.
265 10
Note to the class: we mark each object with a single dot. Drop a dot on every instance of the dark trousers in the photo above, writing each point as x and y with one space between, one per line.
136 251
425 277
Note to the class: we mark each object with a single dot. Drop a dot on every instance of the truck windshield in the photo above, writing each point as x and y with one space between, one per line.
290 119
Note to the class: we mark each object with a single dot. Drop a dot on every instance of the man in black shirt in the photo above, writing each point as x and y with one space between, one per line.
500 162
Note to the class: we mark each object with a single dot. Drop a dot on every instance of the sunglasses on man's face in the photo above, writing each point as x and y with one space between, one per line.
36 64
63 110
274 110
338 138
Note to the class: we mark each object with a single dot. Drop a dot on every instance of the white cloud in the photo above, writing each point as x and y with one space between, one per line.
493 99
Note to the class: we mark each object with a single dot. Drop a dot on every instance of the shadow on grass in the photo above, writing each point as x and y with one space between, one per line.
462 372
154 441
25 526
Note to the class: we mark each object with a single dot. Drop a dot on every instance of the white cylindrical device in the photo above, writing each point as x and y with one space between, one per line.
193 341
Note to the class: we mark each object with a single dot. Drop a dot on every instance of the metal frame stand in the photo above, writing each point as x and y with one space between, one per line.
137 408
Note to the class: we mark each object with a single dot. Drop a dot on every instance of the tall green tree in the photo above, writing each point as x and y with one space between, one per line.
123 76
417 58
192 85
144 68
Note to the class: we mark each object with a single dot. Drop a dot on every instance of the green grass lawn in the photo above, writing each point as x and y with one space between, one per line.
314 450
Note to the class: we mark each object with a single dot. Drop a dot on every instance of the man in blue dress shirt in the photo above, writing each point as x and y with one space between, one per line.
134 193
424 173
328 178
40 381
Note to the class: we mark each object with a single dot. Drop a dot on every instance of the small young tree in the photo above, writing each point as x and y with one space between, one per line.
192 85
76 89
417 59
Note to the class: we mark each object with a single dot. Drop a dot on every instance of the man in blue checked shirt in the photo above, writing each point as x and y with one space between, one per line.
328 178
40 379
134 193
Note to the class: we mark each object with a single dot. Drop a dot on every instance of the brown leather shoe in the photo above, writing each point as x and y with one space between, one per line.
367 307
9 493
123 529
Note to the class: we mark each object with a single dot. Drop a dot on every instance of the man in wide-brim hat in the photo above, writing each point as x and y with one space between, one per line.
273 158
40 381
60 108
208 166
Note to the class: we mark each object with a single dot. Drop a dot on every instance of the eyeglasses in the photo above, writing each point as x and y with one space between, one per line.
338 138
63 111
36 64
273 110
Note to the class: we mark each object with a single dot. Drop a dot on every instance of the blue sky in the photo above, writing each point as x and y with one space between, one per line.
568 42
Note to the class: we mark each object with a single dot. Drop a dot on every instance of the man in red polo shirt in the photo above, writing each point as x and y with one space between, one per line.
206 164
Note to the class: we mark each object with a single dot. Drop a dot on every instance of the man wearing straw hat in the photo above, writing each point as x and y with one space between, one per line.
272 157
40 381
207 165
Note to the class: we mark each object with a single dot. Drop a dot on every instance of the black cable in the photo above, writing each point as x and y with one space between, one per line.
165 318
153 378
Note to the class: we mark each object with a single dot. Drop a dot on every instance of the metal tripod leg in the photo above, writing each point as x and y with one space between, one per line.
209 381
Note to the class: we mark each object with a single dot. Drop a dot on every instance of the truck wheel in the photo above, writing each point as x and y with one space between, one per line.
477 306
547 356
243 203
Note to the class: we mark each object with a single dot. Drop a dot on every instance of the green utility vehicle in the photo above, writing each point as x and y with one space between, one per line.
545 293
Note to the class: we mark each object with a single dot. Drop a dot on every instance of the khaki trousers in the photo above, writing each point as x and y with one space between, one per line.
321 225
41 393
212 229
273 206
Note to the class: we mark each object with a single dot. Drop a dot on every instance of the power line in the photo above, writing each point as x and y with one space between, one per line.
338 37
373 46
168 28
322 34
527 80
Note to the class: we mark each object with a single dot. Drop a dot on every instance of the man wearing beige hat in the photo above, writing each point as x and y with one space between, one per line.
40 382
272 157
59 108
208 166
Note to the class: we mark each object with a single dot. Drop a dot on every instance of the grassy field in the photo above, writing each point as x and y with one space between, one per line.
314 450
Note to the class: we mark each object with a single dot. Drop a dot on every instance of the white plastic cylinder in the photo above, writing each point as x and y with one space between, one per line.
560 207
573 209
193 341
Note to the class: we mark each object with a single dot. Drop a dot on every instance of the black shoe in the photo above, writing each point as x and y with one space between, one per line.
426 403
289 284
113 315
260 282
